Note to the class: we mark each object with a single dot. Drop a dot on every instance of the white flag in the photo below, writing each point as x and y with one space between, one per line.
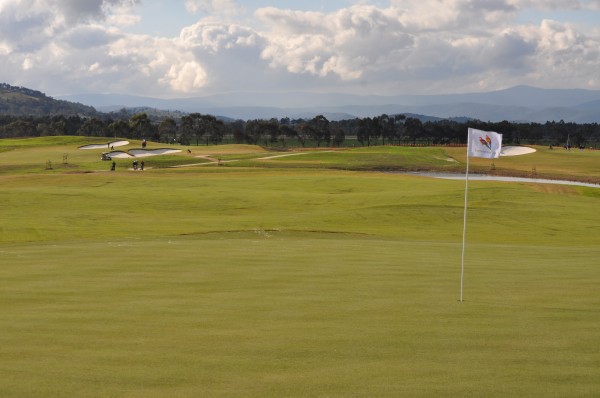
484 144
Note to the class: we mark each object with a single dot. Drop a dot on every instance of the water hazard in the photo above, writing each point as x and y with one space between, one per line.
483 177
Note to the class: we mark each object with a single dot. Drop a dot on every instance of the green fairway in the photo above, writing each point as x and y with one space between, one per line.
270 278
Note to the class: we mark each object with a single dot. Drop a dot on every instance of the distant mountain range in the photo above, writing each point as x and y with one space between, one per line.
520 103
516 104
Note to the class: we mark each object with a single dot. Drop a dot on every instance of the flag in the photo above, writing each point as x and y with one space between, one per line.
484 144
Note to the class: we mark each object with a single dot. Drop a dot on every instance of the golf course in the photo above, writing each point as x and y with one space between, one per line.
239 271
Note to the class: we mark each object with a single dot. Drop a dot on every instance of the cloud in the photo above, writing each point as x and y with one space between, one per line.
229 53
550 4
345 43
508 50
592 5
123 14
407 46
185 77
89 36
211 7
24 27
214 36
78 11
568 54
398 46
454 15
429 45
28 25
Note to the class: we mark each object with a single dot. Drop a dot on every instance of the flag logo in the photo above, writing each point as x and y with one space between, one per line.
487 142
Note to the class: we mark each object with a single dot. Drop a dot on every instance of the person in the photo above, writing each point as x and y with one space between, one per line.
142 165
112 167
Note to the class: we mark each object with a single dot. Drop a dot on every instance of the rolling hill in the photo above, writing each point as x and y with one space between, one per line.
21 101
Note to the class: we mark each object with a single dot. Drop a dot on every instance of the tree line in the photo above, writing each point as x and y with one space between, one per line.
203 129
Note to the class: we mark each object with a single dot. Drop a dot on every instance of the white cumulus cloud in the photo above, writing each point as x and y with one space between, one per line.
346 43
225 7
186 77
405 46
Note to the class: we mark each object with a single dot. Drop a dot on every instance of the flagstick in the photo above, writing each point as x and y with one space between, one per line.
462 271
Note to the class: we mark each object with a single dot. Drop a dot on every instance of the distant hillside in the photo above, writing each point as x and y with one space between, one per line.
521 103
21 101
125 113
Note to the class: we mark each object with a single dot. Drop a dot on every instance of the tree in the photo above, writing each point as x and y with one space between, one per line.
43 129
367 130
387 127
119 128
508 134
236 129
212 128
93 127
216 130
399 129
202 126
338 136
73 124
58 126
270 130
304 132
140 125
320 130
191 127
20 128
253 132
414 128
287 133
167 130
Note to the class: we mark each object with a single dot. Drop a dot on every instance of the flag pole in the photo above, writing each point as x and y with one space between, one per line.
462 269
477 146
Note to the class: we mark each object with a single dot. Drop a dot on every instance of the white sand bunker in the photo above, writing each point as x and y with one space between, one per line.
140 153
108 145
516 150
119 155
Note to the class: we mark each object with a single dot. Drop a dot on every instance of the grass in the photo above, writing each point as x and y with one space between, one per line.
275 281
544 163
368 158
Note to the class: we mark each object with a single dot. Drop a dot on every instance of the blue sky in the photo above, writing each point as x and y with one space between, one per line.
167 18
385 47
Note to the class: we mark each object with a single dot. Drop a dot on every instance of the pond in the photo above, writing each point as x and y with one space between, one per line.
484 177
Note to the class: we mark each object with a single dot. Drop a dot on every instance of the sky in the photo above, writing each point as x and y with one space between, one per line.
192 48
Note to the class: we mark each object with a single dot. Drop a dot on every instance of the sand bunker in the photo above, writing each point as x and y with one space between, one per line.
516 150
119 155
108 145
141 153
